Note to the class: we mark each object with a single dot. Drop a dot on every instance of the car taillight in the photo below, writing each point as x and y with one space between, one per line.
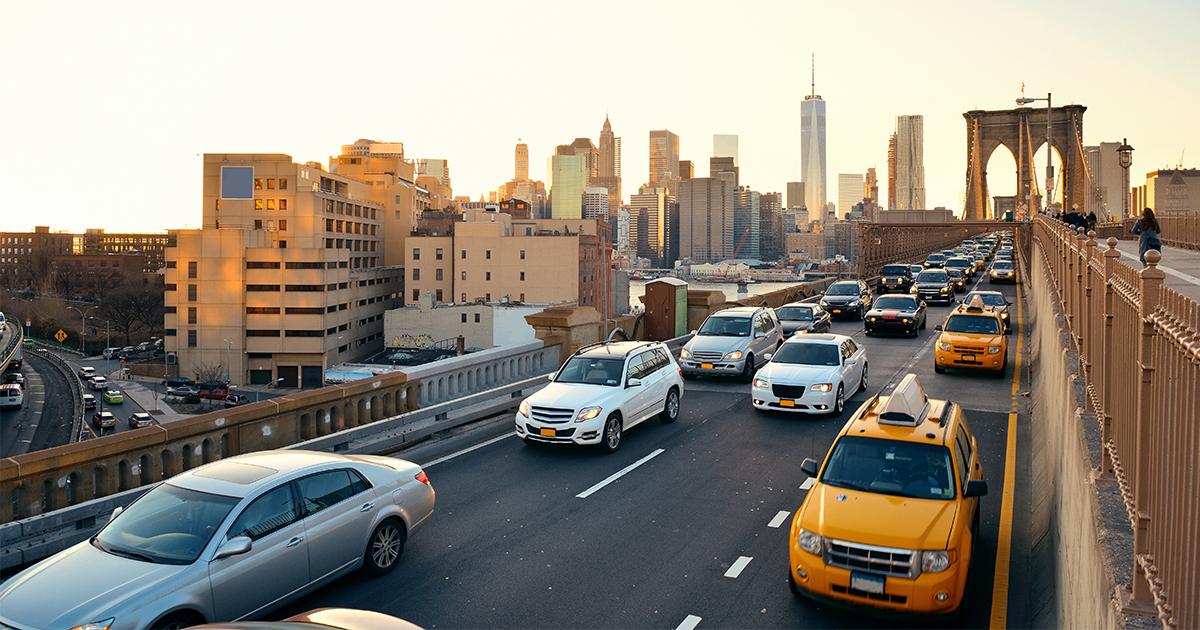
422 478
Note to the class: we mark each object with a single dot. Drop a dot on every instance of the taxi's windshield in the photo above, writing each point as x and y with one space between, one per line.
973 324
906 469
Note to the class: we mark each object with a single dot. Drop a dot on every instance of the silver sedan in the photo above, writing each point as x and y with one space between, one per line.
227 541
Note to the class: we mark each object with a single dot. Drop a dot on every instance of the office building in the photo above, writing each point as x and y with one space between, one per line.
795 195
687 170
850 192
1168 190
595 203
812 154
910 162
567 178
437 169
706 206
891 172
648 223
726 145
521 159
287 276
608 168
664 160
770 231
724 168
747 212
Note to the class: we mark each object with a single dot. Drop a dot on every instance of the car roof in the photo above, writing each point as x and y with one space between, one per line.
854 282
908 415
823 338
612 348
737 311
244 475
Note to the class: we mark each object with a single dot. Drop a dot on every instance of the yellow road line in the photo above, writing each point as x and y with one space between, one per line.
1004 540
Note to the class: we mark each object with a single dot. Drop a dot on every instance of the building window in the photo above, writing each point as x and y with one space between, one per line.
464 254
270 204
328 243
270 184
262 333
528 231
488 254
522 297
487 297
416 253
522 254
416 295
522 276
328 225
191 293
257 184
283 225
464 297
191 314
282 184
439 295
464 275
258 224
263 310
262 287
254 264
416 274
282 244
192 270
464 318
258 204
438 274
476 318
489 276
439 253
283 204
191 339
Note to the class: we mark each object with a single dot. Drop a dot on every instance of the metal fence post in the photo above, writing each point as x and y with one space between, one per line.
1108 382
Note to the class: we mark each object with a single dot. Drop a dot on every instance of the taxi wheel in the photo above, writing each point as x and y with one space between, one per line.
939 369
611 438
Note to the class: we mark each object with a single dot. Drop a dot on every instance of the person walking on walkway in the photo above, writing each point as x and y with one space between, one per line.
1148 230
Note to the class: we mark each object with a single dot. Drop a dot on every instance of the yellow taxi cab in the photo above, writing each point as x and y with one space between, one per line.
889 525
973 338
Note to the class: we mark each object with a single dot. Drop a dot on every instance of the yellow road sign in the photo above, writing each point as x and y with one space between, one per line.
60 336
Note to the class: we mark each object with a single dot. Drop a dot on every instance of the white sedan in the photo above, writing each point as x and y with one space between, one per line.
811 374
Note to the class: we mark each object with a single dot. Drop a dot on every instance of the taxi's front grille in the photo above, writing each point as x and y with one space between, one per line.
968 349
878 560
551 415
708 357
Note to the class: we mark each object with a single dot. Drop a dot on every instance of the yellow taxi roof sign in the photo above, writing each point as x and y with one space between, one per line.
907 404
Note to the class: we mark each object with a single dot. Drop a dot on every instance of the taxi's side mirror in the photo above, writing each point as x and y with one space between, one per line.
938 328
975 488
809 467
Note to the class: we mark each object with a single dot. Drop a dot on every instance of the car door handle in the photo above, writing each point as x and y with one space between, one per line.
295 541
366 508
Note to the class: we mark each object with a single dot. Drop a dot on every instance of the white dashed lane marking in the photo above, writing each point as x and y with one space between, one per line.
738 566
689 623
778 520
617 475
808 483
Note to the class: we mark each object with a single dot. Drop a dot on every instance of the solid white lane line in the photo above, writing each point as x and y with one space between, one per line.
468 450
737 567
779 519
808 483
689 623
617 475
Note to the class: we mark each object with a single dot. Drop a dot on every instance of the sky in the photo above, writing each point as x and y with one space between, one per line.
108 106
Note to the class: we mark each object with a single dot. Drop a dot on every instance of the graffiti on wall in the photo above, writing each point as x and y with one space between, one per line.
411 341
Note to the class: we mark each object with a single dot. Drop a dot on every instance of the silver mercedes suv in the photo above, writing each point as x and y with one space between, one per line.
732 342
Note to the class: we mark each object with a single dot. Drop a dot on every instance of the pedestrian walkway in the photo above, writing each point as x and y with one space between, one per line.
1182 267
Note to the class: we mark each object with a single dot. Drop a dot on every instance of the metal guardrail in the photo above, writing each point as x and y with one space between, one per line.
1132 331
14 341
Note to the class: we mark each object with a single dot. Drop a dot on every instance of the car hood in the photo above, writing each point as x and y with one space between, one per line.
716 343
79 585
790 326
892 313
878 519
840 299
572 395
930 285
793 374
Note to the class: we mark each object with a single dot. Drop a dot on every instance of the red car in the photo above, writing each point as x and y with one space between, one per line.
215 394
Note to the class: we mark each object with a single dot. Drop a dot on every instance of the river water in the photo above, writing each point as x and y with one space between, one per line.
637 288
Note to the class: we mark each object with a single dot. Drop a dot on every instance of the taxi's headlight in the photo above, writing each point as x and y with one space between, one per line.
761 383
809 541
97 625
733 356
944 345
993 349
524 408
936 561
587 413
822 387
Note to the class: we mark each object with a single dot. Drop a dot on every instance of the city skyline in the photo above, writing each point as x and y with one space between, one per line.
152 94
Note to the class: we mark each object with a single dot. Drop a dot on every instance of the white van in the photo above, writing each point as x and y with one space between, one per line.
10 396
110 353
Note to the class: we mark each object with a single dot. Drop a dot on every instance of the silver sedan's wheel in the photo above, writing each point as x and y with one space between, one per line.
612 434
385 547
670 411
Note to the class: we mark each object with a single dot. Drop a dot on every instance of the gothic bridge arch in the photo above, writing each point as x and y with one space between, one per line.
1023 131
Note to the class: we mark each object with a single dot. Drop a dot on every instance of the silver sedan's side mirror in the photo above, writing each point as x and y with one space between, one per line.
115 514
234 547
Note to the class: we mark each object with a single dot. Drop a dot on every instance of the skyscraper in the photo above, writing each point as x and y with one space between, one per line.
567 181
595 204
910 162
725 145
664 159
747 211
608 169
521 173
850 192
648 227
795 194
891 200
706 219
437 169
812 152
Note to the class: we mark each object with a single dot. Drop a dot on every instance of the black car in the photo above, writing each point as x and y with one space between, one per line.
934 285
179 381
958 279
849 298
895 279
802 317
935 261
904 314
961 263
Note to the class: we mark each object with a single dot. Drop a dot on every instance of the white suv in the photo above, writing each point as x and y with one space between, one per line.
600 391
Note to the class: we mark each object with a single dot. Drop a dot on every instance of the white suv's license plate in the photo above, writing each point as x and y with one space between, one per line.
866 583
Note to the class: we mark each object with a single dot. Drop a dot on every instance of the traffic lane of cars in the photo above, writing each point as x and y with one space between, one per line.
650 548
44 420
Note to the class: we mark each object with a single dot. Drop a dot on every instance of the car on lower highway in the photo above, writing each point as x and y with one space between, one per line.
98 383
87 372
600 392
234 400
811 374
113 397
140 419
890 524
104 420
89 401
182 392
179 381
228 541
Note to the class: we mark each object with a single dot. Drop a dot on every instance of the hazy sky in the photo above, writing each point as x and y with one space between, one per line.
108 104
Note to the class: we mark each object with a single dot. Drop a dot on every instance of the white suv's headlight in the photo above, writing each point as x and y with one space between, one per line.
761 383
684 354
587 413
822 387
733 356
809 541
524 408
936 561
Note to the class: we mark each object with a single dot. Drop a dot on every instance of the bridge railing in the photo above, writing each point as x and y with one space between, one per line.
882 244
1139 349
1178 230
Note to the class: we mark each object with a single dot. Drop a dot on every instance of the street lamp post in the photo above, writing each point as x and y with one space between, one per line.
262 387
1125 154
82 323
1049 165
228 344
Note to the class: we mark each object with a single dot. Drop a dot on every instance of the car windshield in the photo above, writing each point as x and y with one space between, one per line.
807 354
895 301
932 276
973 324
795 313
991 299
906 469
725 327
894 270
956 274
843 289
957 262
936 258
167 525
592 371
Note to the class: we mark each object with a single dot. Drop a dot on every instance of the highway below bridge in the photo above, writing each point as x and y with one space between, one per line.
694 533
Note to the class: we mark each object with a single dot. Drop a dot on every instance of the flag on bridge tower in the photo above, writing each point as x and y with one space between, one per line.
1022 89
